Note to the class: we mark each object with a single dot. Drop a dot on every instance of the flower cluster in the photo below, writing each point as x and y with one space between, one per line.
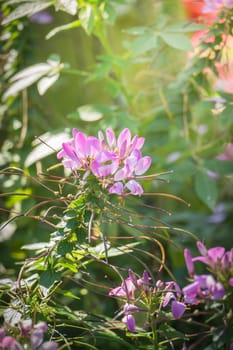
213 5
203 287
207 11
116 162
163 292
219 262
30 335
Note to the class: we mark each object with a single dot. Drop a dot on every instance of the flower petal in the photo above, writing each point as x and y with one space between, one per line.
177 308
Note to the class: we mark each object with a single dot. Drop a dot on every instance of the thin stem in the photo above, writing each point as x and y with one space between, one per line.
154 336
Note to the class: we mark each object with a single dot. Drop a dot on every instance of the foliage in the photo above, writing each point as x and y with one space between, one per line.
84 240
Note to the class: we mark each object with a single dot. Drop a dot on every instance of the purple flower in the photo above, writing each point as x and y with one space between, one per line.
49 345
117 188
9 343
173 293
42 17
116 162
213 5
128 319
2 334
203 288
25 327
218 215
189 261
177 308
36 338
134 187
126 289
144 281
211 257
228 153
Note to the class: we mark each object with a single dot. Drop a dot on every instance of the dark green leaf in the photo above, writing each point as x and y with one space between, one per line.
222 167
48 278
206 189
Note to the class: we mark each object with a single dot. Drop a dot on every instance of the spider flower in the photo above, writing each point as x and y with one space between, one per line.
204 287
115 161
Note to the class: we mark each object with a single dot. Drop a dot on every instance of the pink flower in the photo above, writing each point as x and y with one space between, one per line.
204 287
119 160
126 289
211 257
228 152
189 261
213 5
177 309
128 319
9 343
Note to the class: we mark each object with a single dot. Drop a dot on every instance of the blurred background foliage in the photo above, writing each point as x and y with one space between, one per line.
115 64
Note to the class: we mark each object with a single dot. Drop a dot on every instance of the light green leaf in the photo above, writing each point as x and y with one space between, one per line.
143 43
206 189
49 144
27 9
30 75
178 41
37 246
109 13
135 30
39 68
87 18
11 316
185 27
69 6
65 27
91 113
21 84
44 84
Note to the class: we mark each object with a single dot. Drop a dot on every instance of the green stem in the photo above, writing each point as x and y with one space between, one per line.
155 336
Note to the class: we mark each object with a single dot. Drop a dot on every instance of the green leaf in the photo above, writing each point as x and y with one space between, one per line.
27 9
143 43
12 316
39 68
185 27
222 167
47 146
65 27
135 30
44 84
65 247
37 246
206 189
21 84
87 18
92 113
48 278
178 41
69 6
109 13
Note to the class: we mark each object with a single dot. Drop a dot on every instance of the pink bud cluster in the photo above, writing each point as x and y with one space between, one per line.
209 286
213 5
164 291
30 335
115 161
